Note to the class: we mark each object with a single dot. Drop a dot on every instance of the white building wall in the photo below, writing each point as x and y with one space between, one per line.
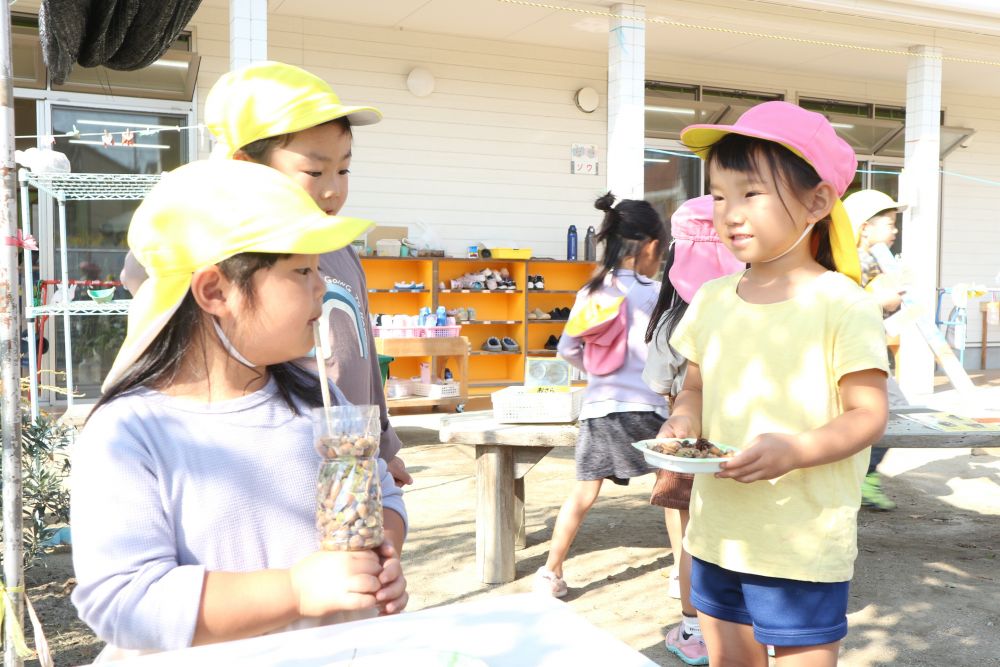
486 157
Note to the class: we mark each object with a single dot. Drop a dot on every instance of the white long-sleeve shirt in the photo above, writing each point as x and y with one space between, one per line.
165 489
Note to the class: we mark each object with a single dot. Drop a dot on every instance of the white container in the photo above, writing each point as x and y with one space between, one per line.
520 405
398 388
436 389
388 247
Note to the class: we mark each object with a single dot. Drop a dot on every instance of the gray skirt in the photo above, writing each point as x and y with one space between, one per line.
604 447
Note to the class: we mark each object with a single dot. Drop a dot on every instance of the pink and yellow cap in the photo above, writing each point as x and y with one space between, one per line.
810 136
268 99
699 254
203 213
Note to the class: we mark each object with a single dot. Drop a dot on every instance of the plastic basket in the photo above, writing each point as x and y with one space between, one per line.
519 405
436 390
510 253
447 331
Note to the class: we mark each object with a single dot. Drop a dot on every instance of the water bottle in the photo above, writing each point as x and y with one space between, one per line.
590 245
442 316
571 243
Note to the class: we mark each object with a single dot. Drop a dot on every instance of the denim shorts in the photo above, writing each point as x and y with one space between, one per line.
783 612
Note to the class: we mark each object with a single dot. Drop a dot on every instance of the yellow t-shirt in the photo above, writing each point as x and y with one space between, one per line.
774 368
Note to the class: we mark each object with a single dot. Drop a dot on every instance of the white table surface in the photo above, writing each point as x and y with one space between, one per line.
500 631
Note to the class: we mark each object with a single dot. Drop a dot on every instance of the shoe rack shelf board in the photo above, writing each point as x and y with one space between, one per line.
498 312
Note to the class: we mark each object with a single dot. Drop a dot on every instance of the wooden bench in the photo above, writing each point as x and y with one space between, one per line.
506 452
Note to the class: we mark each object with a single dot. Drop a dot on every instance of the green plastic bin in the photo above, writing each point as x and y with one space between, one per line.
383 365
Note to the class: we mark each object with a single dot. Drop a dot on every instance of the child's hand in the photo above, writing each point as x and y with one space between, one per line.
677 427
328 581
392 597
768 456
397 468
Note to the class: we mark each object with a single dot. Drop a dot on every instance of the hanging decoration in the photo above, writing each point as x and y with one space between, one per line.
107 139
128 137
21 241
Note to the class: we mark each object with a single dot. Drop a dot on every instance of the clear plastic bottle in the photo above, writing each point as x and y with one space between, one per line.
348 488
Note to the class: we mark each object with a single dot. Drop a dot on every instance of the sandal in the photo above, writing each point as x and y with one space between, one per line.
547 583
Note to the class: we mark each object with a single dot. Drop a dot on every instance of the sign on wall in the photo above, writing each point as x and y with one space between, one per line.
583 159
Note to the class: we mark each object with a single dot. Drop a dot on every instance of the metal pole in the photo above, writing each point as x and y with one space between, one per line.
10 351
67 339
29 299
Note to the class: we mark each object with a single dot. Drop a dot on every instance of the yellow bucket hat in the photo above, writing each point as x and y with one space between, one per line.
203 213
268 99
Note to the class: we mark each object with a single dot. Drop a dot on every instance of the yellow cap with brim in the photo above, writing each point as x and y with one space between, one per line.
269 99
203 213
810 136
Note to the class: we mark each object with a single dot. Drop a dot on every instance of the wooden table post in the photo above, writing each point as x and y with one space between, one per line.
505 453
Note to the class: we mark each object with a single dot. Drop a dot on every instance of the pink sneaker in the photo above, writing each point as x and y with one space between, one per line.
691 650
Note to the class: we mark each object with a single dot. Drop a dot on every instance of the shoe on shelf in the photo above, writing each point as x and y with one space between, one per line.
491 283
509 344
531 282
547 583
872 495
552 343
541 314
560 313
404 284
492 344
539 282
532 316
691 651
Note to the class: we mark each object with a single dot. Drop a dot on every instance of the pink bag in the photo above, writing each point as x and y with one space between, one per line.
606 343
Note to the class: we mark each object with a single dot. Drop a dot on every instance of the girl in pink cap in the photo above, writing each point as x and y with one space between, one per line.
695 256
786 363
604 336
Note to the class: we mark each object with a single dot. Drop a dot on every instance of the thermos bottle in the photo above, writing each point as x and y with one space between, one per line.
571 243
590 245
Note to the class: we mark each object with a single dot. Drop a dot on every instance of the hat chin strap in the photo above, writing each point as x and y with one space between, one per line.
792 247
233 352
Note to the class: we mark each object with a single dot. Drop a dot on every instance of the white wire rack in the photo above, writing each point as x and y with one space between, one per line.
64 188
92 187
82 307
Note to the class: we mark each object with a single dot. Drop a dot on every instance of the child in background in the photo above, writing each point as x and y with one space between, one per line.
194 479
284 117
873 217
695 256
611 314
787 362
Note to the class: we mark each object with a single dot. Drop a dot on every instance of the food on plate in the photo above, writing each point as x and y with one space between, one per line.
685 448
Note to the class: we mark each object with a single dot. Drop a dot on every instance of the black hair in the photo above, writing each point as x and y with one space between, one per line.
260 151
626 229
749 155
669 308
160 363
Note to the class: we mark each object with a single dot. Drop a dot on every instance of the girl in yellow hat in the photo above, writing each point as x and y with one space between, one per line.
193 490
284 117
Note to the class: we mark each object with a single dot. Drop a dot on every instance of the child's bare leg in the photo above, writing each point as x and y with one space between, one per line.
677 521
571 515
731 644
824 655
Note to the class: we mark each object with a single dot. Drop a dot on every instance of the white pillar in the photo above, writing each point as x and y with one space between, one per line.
247 32
921 188
626 100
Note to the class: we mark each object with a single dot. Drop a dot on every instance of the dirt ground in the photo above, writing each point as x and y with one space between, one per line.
926 591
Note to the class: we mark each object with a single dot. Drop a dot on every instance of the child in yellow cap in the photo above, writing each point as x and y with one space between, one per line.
194 479
284 117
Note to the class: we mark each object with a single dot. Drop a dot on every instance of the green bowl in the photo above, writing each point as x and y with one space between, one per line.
102 295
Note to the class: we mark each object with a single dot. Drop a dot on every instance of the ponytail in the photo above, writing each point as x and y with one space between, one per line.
625 230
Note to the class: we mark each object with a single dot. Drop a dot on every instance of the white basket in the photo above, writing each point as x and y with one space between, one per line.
518 405
447 331
435 390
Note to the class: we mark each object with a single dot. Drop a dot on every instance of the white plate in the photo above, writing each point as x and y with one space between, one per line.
679 463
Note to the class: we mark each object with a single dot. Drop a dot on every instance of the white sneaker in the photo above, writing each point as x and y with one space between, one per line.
547 583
